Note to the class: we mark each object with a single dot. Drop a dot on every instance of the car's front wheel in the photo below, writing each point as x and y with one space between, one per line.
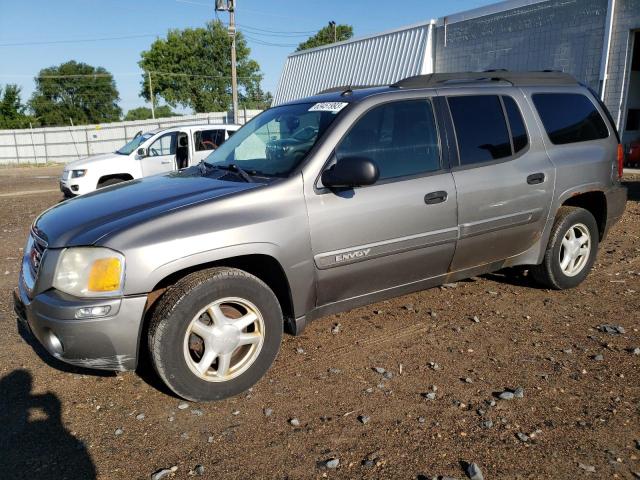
571 250
215 333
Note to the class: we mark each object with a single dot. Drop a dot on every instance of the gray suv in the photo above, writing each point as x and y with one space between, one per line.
392 190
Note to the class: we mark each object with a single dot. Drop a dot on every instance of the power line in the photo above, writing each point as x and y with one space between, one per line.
109 75
252 30
78 40
244 10
269 44
283 32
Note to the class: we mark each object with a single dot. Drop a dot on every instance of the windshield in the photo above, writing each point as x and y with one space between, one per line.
276 141
134 144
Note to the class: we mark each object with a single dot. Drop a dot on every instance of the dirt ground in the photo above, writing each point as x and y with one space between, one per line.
580 412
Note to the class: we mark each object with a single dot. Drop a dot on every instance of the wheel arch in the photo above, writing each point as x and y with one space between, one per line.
264 267
122 176
595 202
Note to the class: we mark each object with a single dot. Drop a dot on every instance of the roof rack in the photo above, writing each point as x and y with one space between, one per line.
346 89
545 77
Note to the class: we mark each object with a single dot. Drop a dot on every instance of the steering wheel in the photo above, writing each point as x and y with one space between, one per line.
205 143
154 152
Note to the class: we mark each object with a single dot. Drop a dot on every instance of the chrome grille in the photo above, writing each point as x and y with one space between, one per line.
36 252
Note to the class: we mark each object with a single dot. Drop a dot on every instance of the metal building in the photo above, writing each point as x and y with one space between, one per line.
597 41
374 60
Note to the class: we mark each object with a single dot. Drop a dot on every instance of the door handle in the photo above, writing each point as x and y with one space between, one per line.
435 197
164 163
535 178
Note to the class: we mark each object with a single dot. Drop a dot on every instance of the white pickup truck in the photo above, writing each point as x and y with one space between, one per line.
151 153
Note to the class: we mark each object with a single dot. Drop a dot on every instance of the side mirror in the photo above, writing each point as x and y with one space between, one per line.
142 152
351 172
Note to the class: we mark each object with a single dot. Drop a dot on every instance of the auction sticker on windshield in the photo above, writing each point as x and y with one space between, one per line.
334 107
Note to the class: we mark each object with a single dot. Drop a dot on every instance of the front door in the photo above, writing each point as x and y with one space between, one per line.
504 179
161 156
398 231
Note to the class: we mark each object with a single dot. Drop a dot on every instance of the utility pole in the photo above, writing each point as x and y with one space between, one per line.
153 109
230 6
234 78
335 33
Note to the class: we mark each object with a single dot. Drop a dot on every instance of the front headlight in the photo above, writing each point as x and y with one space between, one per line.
90 272
78 173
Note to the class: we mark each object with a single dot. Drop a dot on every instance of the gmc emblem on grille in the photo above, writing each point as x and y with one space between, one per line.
35 258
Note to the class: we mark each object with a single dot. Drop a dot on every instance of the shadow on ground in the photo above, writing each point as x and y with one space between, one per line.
516 276
633 189
33 441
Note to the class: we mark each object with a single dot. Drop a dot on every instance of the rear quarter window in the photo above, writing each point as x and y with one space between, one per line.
569 118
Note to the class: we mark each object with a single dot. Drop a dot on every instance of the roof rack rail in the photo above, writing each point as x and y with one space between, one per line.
545 77
347 89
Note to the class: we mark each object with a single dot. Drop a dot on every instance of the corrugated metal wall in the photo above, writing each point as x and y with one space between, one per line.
375 60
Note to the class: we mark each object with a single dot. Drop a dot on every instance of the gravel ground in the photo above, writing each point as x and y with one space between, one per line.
422 386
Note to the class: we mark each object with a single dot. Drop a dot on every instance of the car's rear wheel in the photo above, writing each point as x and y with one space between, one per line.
215 333
571 250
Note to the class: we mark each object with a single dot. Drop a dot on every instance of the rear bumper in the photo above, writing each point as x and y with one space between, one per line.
616 203
106 343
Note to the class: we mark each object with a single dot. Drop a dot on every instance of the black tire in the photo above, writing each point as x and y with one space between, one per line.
110 181
174 313
549 273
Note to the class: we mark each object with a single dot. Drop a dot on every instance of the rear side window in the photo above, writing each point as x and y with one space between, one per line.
401 138
208 139
569 118
481 128
518 130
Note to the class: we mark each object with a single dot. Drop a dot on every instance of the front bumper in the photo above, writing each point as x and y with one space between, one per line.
66 189
106 343
72 187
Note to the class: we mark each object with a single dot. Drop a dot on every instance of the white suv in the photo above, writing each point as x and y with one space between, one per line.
154 152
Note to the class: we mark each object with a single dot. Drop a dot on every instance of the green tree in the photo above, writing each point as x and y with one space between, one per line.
325 36
76 91
192 68
12 111
144 113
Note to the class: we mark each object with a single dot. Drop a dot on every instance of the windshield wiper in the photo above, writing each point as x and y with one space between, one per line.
242 173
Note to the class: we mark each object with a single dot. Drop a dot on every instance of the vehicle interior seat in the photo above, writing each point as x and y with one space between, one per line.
182 152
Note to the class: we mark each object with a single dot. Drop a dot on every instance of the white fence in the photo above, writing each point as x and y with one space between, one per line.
64 144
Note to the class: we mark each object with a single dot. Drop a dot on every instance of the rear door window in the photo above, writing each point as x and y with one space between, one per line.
481 128
401 138
208 139
569 118
516 124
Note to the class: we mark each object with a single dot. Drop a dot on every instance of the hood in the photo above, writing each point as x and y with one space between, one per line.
86 162
84 220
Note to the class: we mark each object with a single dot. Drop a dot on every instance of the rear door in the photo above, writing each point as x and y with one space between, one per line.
398 231
504 178
206 141
161 156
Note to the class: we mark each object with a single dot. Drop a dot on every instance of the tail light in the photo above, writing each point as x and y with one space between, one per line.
620 161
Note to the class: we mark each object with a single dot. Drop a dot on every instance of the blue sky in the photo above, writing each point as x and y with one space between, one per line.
35 34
